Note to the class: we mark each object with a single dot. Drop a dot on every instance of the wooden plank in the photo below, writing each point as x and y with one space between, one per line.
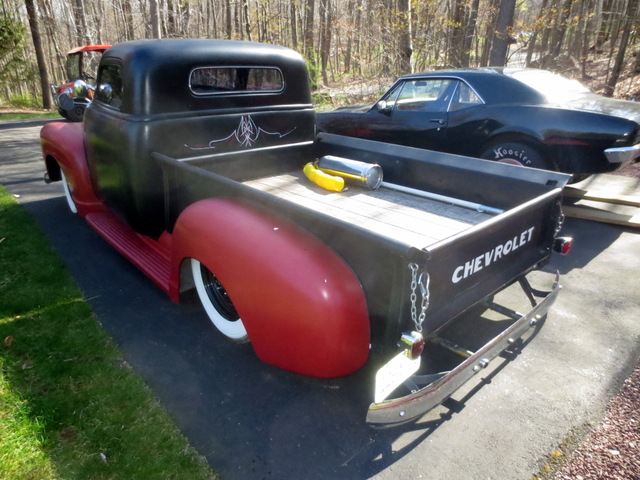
600 215
616 199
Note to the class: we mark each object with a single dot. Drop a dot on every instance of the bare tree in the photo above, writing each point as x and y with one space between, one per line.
345 38
32 14
631 19
326 18
404 36
81 23
458 28
154 19
309 50
501 42
469 33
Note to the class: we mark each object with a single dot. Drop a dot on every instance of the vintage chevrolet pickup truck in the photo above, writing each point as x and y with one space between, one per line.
190 163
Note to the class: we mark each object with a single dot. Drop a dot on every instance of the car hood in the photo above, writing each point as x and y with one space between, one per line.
353 109
591 102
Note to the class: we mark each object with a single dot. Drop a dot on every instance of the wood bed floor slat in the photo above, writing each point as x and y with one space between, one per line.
416 221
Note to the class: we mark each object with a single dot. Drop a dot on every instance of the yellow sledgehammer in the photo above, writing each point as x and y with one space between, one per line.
323 179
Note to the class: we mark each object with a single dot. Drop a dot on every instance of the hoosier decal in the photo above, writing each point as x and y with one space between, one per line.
487 258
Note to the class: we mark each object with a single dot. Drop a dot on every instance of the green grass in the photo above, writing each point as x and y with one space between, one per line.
28 115
70 407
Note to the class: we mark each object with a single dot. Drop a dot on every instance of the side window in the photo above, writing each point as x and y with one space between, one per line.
109 87
426 95
225 80
391 97
464 97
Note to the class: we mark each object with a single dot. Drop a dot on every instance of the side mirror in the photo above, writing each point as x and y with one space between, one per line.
384 107
105 93
80 89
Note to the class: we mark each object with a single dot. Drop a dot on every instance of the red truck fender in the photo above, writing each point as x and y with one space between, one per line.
303 308
63 151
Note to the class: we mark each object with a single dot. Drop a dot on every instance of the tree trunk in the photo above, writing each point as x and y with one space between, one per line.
632 11
325 37
469 32
561 28
37 44
155 18
247 23
504 24
404 36
456 45
537 28
81 23
128 20
490 33
229 19
308 40
294 29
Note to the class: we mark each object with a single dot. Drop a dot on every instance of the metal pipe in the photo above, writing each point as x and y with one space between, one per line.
443 198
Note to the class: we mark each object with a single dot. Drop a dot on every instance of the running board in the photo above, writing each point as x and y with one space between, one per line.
145 253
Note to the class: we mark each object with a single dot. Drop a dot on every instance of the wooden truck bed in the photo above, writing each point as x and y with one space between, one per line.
407 218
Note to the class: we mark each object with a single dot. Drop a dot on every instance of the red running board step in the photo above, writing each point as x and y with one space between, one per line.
145 253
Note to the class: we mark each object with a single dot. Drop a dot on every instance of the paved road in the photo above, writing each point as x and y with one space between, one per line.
252 421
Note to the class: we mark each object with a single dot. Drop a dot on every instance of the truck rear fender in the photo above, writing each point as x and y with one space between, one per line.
63 150
302 306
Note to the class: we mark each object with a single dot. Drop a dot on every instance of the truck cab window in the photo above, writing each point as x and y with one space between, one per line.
109 88
225 80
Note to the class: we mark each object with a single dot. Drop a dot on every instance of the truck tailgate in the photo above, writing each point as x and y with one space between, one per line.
467 267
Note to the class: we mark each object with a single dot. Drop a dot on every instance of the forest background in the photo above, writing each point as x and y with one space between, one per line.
356 46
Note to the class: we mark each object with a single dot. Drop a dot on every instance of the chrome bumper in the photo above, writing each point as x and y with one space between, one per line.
623 154
401 410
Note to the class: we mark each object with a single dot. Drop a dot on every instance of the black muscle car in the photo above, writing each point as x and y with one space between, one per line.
521 116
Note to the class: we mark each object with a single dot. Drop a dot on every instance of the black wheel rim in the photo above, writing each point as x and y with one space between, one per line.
218 295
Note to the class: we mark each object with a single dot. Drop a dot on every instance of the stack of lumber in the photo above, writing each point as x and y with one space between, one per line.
604 198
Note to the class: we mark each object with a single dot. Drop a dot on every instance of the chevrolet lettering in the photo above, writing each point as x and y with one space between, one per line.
478 263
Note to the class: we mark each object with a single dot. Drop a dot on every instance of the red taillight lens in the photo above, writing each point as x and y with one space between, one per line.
563 245
414 344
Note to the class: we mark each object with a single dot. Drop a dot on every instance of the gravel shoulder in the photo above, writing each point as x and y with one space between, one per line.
607 450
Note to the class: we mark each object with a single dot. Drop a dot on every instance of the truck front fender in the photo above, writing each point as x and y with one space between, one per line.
63 150
302 306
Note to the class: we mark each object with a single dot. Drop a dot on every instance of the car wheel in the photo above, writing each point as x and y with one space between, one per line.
217 303
578 177
67 193
516 153
63 113
76 114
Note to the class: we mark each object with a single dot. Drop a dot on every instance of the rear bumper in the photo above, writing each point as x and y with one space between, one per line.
401 410
623 155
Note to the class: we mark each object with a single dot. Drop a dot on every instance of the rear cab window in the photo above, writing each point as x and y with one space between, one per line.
235 80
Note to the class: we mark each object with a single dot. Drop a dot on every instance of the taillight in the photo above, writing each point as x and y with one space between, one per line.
413 343
563 245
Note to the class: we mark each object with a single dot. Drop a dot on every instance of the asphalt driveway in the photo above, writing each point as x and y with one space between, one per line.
252 421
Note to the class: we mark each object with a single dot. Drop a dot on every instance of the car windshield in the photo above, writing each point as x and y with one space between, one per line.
551 85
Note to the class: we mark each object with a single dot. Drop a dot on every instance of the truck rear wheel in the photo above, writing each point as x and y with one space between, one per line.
217 303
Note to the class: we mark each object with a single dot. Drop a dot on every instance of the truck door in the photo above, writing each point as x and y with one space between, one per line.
414 113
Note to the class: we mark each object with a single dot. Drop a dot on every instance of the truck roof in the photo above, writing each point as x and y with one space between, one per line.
157 75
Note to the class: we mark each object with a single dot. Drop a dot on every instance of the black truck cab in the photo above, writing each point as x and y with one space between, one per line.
184 98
